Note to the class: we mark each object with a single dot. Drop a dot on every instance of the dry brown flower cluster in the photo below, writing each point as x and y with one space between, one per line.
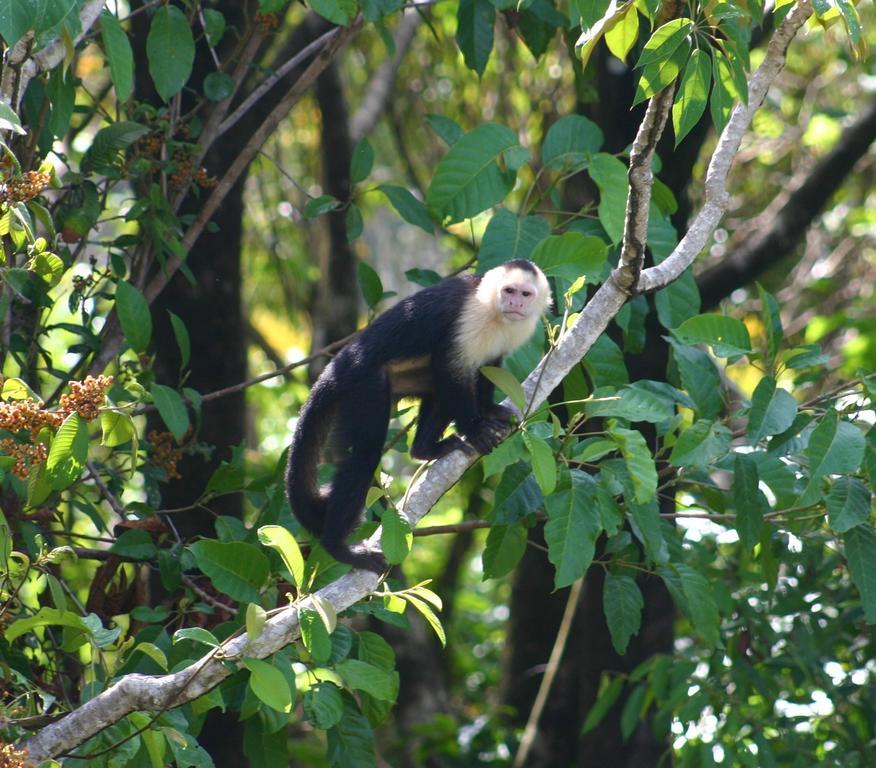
86 396
20 415
26 455
24 187
166 453
269 22
12 757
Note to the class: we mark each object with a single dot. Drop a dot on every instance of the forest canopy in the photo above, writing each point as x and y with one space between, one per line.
670 558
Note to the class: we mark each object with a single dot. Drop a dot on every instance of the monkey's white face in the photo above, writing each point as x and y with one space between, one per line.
519 296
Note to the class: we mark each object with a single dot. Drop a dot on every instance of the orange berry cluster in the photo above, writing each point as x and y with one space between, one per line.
149 145
19 415
165 453
12 757
204 180
86 396
26 455
24 187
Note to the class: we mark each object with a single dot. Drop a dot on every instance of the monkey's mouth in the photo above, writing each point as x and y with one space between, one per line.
513 314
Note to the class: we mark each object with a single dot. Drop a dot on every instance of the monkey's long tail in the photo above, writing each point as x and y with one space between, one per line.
302 471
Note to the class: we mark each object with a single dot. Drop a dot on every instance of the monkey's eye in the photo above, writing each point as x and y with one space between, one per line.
527 294
509 290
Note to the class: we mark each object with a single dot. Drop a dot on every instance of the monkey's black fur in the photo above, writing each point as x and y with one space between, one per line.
408 351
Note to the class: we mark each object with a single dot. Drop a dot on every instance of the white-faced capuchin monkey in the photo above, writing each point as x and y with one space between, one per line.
429 345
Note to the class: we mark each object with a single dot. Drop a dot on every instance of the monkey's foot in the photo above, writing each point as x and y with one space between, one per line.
361 558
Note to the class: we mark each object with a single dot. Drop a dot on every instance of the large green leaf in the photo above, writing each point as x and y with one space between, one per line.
657 75
375 681
408 207
848 504
170 49
351 742
172 409
772 410
68 452
504 548
692 95
236 569
610 176
16 18
665 40
622 603
396 537
727 336
572 528
835 447
315 636
269 684
701 444
283 542
104 154
468 180
44 617
134 316
701 606
633 403
860 549
119 54
639 461
323 705
570 143
475 20
510 237
571 255
517 495
748 500
700 378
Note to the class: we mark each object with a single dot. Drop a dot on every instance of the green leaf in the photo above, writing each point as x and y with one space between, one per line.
236 569
429 615
68 452
622 603
172 409
153 652
196 635
721 101
727 336
350 744
396 537
593 33
516 496
280 539
701 444
647 527
860 550
354 223
773 410
605 700
408 207
748 500
572 528
135 543
476 20
269 684
317 206
571 255
170 49
657 75
570 143
772 320
848 504
375 650
214 25
338 12
665 41
363 161
181 334
701 606
448 130
506 384
117 428
44 617
692 95
700 378
505 546
835 447
623 36
610 176
256 618
370 283
468 180
119 54
315 636
633 403
544 465
218 86
510 237
323 706
134 316
16 18
640 463
376 681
